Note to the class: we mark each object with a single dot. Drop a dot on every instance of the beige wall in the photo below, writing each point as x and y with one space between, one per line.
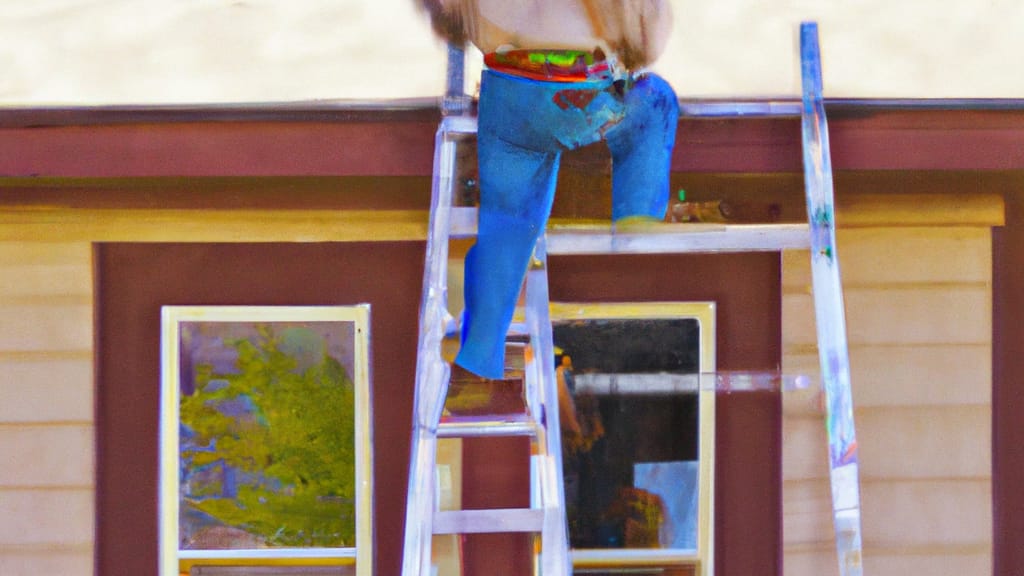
187 51
919 302
46 409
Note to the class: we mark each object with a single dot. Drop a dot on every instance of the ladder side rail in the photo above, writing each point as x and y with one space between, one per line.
829 309
555 559
432 373
455 102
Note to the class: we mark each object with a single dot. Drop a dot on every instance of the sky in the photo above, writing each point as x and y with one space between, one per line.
87 52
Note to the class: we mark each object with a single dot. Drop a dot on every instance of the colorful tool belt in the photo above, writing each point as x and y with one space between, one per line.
550 65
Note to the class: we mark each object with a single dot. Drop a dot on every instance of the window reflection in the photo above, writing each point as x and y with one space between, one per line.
629 412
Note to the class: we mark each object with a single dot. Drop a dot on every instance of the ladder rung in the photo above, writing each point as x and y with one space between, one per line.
517 333
679 238
481 426
484 521
659 238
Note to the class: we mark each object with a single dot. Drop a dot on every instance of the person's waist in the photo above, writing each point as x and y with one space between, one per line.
551 65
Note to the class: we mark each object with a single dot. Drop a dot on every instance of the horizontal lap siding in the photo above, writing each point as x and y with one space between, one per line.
949 561
45 455
46 518
899 442
942 374
927 514
35 562
899 316
919 322
820 559
47 436
40 389
42 327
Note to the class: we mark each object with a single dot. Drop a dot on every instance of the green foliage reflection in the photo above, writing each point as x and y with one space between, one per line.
271 445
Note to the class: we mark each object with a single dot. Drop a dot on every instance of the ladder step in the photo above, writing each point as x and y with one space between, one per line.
488 521
678 239
486 426
656 238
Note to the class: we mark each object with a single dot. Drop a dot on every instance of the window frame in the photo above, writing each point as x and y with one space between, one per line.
701 558
173 560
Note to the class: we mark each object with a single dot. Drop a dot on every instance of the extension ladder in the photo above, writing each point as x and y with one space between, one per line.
546 516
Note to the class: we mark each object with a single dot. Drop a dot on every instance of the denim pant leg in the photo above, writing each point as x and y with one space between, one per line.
517 189
641 147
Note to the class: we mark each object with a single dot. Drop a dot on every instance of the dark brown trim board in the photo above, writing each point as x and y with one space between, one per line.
1008 390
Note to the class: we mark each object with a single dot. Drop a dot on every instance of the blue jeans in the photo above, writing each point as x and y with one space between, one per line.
524 125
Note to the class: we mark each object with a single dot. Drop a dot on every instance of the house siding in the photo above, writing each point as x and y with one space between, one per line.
919 315
47 429
919 312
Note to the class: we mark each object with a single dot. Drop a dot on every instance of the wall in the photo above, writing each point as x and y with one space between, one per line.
46 409
47 432
46 226
188 51
919 321
919 302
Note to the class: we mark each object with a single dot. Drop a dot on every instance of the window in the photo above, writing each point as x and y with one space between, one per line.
265 438
638 432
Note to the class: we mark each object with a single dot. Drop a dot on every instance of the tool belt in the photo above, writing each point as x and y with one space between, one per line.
551 65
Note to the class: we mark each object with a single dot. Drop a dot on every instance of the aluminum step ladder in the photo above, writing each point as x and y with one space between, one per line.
546 516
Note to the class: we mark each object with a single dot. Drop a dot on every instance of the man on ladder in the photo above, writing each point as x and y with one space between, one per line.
561 74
